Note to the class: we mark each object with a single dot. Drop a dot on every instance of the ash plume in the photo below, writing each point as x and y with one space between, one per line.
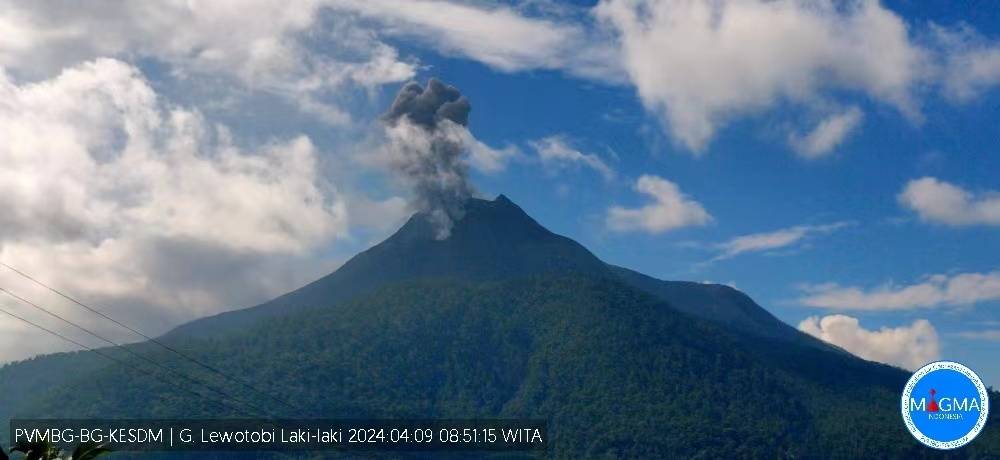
426 132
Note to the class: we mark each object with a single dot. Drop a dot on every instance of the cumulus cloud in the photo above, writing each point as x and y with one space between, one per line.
698 64
669 210
934 291
555 151
766 241
122 199
262 44
827 135
908 347
945 203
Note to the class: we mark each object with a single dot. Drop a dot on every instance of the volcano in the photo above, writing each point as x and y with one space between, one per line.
505 319
496 240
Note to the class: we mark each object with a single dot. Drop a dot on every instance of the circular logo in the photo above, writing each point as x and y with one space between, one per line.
945 405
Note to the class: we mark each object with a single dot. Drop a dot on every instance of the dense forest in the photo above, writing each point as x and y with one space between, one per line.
615 371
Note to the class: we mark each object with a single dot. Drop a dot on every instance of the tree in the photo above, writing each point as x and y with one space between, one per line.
44 450
89 451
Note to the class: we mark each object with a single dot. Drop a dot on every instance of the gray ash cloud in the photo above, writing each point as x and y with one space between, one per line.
426 134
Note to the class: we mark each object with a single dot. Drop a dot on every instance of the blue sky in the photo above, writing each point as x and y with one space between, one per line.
835 161
751 183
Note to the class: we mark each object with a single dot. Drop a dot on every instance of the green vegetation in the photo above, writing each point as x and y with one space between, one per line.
616 372
505 319
46 451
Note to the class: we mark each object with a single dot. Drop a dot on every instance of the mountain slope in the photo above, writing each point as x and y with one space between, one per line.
718 303
616 372
506 319
495 240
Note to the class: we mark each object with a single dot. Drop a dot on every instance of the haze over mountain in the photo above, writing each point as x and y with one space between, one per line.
506 319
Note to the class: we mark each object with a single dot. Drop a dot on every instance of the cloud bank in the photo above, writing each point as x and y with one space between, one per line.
908 347
697 65
258 44
124 200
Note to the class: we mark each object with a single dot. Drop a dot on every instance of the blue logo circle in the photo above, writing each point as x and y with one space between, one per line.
945 405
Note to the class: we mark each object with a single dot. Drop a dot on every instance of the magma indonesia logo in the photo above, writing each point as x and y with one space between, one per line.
945 405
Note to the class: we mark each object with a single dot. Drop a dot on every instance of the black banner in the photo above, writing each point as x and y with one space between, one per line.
287 435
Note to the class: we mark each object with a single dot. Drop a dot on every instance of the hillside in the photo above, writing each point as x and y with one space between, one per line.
616 372
506 319
496 240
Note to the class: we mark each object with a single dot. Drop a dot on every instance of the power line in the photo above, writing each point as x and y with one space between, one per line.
221 402
151 339
133 353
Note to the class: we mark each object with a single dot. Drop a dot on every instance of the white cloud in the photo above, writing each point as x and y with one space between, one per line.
908 347
777 239
262 44
555 151
942 202
971 64
498 36
696 63
122 199
669 210
934 291
486 159
827 135
973 72
700 63
989 335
